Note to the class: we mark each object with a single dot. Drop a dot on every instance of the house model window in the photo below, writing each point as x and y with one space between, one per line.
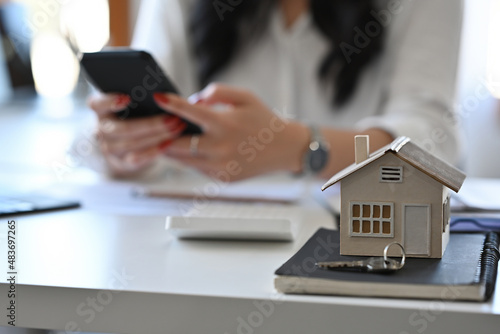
372 219
391 174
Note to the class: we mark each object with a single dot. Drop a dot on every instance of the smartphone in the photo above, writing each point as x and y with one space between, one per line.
134 73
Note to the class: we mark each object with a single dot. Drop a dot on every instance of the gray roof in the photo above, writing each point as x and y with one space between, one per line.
422 160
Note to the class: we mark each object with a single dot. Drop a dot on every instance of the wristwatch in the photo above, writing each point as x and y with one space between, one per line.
317 153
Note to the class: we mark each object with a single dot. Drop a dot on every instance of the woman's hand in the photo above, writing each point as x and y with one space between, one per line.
131 145
241 140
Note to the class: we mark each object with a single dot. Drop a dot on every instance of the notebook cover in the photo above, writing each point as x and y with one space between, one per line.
464 264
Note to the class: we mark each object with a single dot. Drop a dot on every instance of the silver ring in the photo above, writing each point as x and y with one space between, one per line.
193 145
386 249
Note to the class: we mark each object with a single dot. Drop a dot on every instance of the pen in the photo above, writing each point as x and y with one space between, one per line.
145 192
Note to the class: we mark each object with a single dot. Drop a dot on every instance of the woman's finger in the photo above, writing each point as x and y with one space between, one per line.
122 146
201 115
112 128
105 104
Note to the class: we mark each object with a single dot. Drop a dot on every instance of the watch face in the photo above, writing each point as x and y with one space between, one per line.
318 159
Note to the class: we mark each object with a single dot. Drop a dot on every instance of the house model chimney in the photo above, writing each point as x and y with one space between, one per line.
361 148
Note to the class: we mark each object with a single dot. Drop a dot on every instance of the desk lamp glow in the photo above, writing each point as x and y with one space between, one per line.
86 23
55 67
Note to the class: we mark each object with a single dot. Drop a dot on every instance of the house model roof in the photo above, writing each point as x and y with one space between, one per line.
422 160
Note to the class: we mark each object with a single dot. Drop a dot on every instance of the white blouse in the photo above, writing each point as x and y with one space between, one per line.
409 90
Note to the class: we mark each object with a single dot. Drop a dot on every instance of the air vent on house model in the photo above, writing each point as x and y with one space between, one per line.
391 174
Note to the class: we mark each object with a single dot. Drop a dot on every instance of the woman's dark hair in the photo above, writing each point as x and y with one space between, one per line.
217 35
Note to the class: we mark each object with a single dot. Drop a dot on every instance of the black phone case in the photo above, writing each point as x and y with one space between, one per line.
134 73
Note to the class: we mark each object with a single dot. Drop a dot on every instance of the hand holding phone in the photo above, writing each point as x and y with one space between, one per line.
133 130
133 73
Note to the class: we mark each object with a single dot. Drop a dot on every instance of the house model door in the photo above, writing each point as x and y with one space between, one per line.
417 224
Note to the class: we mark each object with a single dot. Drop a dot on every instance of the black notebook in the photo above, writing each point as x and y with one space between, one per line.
467 271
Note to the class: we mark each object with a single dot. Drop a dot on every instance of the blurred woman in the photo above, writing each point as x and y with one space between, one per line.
295 80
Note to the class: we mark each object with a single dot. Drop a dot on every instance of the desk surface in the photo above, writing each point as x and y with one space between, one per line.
91 270
98 272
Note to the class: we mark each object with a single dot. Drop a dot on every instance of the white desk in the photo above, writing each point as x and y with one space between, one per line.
137 279
145 281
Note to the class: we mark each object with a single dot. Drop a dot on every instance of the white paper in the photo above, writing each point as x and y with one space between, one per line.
267 188
478 194
120 197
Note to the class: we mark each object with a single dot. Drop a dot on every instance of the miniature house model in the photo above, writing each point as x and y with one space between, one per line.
399 193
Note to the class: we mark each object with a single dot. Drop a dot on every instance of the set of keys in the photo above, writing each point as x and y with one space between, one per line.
381 264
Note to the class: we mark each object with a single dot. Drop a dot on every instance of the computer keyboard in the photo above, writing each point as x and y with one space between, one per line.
22 204
241 221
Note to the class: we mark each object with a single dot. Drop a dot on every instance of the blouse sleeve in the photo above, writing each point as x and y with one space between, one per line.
420 95
162 30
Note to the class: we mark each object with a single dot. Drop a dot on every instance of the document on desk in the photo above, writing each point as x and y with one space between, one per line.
114 197
120 197
477 194
271 189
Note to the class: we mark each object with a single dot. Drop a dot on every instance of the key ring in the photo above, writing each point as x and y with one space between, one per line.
386 250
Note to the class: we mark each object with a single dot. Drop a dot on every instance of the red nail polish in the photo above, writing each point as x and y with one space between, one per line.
163 146
160 98
171 121
179 128
121 100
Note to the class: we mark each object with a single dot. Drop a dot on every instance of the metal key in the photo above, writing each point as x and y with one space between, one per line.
381 264
372 264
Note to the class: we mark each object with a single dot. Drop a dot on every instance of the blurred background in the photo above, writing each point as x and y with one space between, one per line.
40 38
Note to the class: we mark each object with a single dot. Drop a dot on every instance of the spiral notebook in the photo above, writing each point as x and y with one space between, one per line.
467 271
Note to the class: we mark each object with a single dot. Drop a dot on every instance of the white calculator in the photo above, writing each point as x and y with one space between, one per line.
236 221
